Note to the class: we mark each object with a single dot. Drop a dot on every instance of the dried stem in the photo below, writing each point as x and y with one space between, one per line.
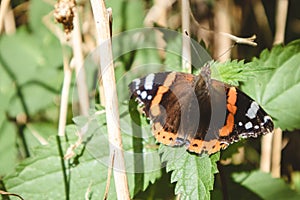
3 9
239 40
67 75
64 96
10 194
109 172
276 153
37 136
110 93
261 19
266 150
186 44
9 22
281 15
222 25
80 71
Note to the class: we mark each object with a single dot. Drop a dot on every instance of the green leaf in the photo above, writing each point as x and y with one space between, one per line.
277 91
22 60
8 148
233 72
194 174
41 176
38 133
265 186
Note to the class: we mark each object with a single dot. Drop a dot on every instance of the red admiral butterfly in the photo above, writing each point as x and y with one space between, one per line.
201 113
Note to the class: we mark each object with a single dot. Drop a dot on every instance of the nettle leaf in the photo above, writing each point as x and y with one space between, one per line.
233 72
41 176
277 91
194 174
265 186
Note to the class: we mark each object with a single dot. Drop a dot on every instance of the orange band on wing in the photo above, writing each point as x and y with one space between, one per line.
227 129
231 107
160 92
231 96
154 108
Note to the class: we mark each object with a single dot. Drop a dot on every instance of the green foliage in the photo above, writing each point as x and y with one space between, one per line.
265 186
277 91
194 174
29 68
46 175
233 72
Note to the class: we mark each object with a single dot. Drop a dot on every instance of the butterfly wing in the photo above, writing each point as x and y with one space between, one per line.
167 97
202 114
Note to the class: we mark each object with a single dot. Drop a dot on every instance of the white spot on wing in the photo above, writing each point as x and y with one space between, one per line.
149 81
256 127
149 97
137 83
248 125
252 111
240 124
267 118
144 95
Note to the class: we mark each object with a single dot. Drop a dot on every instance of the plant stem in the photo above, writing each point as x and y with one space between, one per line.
281 16
79 68
221 24
101 17
266 150
276 153
64 97
3 10
186 41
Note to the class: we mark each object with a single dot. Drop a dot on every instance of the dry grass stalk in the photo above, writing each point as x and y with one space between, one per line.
101 18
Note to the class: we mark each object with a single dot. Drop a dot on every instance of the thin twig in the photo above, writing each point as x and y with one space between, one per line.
79 68
56 30
9 22
236 39
10 194
109 172
281 15
110 93
88 192
276 153
261 19
240 40
186 42
3 9
67 74
266 150
222 26
42 140
64 96
70 153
